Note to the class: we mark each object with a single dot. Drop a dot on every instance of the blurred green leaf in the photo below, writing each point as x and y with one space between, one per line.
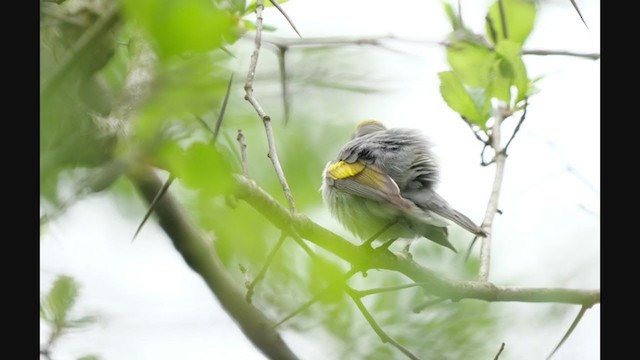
472 62
458 99
183 26
451 16
520 16
61 299
511 53
202 167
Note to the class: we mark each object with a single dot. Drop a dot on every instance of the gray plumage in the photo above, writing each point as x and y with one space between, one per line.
389 175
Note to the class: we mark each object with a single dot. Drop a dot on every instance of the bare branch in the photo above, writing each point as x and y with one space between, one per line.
374 325
591 56
266 120
275 3
515 131
575 322
499 352
266 265
243 152
378 41
367 258
492 206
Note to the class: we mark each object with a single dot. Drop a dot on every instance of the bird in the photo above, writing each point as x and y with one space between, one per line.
381 186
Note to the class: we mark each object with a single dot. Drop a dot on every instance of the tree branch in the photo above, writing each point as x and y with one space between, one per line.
361 257
492 206
266 120
327 42
197 251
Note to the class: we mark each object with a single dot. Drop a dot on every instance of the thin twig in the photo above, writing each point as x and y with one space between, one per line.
153 204
575 322
515 131
243 152
275 3
428 303
216 129
368 292
591 56
266 120
267 263
282 62
378 41
499 352
492 206
374 325
575 6
503 19
314 299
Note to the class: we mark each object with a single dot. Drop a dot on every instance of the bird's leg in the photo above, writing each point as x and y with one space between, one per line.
386 244
376 235
406 250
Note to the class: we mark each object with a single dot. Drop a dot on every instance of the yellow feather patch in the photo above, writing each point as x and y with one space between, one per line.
343 170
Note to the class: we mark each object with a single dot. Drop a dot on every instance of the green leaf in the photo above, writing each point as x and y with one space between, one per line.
499 85
183 26
456 96
61 298
472 62
451 15
520 16
510 52
203 168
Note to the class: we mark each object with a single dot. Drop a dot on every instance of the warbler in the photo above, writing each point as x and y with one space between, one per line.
382 183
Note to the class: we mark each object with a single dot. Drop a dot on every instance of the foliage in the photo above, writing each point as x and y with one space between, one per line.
488 67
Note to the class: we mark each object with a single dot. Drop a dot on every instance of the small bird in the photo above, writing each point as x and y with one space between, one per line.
381 186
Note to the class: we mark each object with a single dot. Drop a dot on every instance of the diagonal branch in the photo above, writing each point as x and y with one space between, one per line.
198 252
374 325
266 120
266 265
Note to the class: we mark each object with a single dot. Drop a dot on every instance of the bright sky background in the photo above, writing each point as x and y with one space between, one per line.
548 236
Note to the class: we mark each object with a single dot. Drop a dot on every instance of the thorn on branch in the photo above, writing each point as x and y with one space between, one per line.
243 152
277 6
263 271
575 322
499 352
